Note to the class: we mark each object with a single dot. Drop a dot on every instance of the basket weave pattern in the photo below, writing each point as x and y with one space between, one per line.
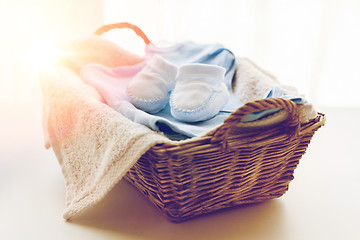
230 166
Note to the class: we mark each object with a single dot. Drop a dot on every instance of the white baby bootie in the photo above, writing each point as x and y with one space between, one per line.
149 90
200 92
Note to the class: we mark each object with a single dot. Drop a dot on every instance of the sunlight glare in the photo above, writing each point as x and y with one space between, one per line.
43 55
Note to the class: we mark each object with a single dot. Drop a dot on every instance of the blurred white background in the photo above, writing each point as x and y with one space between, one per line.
310 44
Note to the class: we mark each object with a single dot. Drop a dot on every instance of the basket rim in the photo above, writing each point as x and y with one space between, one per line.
291 115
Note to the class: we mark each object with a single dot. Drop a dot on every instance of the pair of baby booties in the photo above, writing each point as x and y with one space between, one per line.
195 91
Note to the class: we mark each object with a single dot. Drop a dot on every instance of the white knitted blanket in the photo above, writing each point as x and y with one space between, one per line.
96 145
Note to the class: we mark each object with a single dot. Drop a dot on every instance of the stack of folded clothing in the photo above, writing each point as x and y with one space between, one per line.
183 90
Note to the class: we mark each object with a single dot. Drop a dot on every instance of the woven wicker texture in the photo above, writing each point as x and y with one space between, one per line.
230 166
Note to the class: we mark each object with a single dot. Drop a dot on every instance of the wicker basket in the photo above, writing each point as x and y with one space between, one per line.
232 165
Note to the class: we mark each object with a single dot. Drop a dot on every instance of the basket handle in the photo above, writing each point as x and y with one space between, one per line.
292 122
136 29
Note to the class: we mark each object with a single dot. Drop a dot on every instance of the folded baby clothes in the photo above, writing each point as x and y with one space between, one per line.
103 78
252 82
149 90
200 92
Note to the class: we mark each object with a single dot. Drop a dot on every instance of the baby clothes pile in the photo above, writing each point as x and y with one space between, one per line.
184 90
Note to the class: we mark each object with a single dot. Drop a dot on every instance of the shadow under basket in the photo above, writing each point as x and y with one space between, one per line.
232 165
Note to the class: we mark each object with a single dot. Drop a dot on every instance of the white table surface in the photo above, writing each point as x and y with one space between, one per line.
323 201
